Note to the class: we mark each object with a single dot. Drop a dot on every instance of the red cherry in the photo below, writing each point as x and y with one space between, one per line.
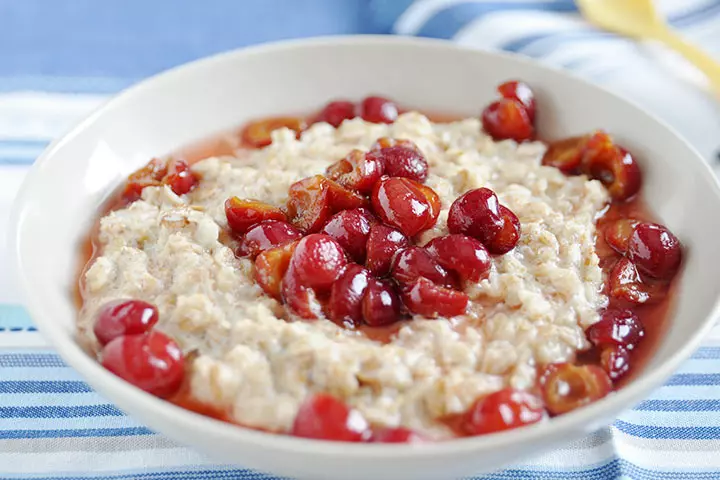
433 200
615 360
124 317
337 112
625 283
152 362
507 119
258 134
655 250
179 177
381 304
508 236
521 92
308 205
270 268
324 417
618 233
357 171
342 198
243 214
617 327
300 299
351 228
318 261
464 255
566 387
378 110
503 410
476 213
346 296
566 154
425 298
401 203
396 435
412 263
266 235
403 161
612 165
382 244
151 175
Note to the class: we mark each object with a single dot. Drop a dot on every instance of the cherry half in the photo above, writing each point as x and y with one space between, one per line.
503 410
566 387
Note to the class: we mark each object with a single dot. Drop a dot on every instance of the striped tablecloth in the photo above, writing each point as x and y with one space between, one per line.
59 59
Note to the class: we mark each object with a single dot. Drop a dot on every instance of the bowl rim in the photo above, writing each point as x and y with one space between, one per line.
89 368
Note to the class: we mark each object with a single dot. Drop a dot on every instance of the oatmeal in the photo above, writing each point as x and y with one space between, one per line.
255 361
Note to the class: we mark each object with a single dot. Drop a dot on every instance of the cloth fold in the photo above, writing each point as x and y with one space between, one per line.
53 426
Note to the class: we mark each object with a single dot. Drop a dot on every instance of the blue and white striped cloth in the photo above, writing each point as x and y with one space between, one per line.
60 59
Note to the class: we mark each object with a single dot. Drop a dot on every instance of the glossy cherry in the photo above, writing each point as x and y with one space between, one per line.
242 214
258 134
324 417
464 255
381 304
150 175
503 410
566 387
151 361
508 236
566 155
357 171
403 203
318 261
403 161
378 110
615 360
425 298
413 262
124 317
337 112
433 200
618 233
655 250
617 327
179 177
507 119
351 228
342 198
382 244
266 235
612 165
625 283
520 91
346 296
308 204
476 213
270 268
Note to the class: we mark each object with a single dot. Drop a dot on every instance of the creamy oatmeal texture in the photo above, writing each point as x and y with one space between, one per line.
257 365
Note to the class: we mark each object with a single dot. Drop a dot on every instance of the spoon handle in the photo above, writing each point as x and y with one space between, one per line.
707 64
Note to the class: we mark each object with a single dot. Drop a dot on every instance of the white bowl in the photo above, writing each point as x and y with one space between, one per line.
65 187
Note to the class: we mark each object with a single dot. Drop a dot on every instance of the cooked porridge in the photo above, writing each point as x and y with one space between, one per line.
254 358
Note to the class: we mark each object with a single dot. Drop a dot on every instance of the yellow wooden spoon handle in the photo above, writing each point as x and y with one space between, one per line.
707 64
